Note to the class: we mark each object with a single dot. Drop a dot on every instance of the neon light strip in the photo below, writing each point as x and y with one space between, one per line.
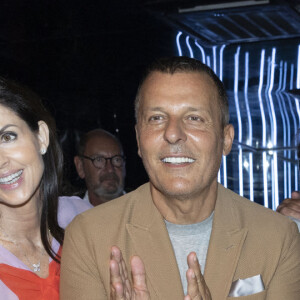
298 69
239 119
292 76
278 93
208 60
292 110
266 162
215 70
214 55
221 62
215 59
271 85
298 113
291 85
263 118
275 196
249 142
271 124
296 168
288 136
267 99
296 99
224 158
286 133
295 128
187 40
178 43
202 52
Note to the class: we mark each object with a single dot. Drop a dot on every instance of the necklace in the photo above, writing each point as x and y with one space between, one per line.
37 267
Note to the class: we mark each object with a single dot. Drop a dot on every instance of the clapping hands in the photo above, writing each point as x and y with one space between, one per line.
123 287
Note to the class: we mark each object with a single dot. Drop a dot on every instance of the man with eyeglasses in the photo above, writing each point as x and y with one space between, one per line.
101 163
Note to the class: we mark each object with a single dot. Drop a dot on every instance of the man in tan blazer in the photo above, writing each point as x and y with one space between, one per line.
135 247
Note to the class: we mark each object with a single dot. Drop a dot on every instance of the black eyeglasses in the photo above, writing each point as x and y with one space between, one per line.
100 161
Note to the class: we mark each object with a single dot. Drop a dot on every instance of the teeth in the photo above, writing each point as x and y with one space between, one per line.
11 178
178 160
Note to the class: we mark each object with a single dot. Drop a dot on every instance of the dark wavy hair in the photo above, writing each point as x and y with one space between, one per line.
28 106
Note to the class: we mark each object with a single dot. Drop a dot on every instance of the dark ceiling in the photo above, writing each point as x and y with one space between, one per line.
85 57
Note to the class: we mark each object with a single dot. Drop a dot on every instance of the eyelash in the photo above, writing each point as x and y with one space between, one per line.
196 118
190 118
155 118
12 136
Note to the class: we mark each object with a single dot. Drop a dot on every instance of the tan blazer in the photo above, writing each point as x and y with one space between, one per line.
247 240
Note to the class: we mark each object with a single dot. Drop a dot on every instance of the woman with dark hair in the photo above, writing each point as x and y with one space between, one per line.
32 215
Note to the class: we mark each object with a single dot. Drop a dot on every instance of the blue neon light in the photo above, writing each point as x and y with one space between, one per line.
275 194
215 59
239 119
278 94
298 69
249 140
202 51
187 40
224 158
262 112
178 43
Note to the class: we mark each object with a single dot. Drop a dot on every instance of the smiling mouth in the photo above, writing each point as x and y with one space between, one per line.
11 178
177 160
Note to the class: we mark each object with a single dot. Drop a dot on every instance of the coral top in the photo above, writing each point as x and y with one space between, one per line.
18 282
27 285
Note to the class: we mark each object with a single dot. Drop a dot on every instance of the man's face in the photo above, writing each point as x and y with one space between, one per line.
107 182
179 133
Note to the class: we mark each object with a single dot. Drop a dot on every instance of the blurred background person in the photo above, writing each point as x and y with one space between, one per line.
101 163
32 215
290 207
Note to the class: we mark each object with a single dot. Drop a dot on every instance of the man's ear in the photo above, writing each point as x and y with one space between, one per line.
79 167
228 139
43 136
137 140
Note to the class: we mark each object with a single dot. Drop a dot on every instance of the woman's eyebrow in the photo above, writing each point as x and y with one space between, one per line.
5 127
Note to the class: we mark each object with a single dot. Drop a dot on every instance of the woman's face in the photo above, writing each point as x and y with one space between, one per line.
21 164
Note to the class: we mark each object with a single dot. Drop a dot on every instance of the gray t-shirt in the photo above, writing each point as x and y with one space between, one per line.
188 238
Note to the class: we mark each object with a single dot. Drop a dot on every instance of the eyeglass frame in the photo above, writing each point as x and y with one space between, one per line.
106 159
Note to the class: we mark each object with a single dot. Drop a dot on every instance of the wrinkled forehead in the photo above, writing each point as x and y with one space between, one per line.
183 85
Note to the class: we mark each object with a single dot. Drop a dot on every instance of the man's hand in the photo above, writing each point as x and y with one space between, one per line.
291 207
121 287
197 288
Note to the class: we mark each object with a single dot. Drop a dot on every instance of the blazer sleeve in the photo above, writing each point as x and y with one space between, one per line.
79 273
286 281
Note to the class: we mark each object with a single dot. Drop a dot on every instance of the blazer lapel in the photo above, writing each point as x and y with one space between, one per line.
225 246
151 242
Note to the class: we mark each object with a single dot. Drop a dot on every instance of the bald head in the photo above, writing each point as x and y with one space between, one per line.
97 134
104 181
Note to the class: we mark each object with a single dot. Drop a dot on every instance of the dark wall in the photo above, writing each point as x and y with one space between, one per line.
85 59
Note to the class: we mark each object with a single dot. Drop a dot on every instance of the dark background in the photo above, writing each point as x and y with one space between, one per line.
85 58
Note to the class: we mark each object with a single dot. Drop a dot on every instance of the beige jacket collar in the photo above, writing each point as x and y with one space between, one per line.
151 240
